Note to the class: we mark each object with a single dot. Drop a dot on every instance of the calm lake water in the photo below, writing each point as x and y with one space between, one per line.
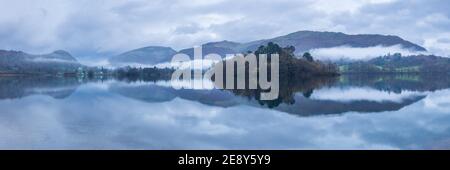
349 112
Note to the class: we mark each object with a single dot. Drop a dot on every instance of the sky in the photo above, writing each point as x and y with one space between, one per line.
96 28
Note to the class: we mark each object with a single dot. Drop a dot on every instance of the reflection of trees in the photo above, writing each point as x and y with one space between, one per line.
385 82
293 95
295 75
18 87
398 82
295 92
287 91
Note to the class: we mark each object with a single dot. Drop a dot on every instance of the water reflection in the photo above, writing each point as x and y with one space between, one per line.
57 113
398 83
306 97
310 97
19 87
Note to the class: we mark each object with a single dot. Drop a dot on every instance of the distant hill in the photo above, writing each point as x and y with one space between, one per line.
222 48
156 54
302 41
21 62
148 55
307 40
224 44
397 63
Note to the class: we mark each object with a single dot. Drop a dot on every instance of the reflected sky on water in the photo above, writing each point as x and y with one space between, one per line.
70 114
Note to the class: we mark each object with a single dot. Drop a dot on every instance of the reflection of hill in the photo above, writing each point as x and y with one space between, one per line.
311 107
18 87
295 94
288 89
149 93
294 98
154 94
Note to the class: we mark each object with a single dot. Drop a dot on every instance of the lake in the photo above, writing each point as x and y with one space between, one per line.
348 112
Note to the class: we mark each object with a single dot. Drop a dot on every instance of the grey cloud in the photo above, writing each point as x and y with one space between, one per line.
188 29
93 28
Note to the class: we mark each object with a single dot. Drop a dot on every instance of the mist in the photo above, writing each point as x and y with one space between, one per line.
355 53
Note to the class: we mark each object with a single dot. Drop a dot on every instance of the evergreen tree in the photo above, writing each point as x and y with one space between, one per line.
307 56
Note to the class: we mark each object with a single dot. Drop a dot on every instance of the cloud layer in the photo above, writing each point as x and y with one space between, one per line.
101 28
353 53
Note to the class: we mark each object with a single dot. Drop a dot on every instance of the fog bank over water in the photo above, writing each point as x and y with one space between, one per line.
355 53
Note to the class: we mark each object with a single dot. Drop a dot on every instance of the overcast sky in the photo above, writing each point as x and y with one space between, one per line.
106 27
